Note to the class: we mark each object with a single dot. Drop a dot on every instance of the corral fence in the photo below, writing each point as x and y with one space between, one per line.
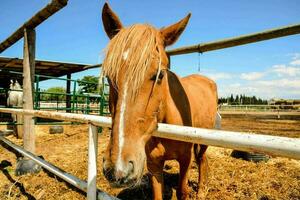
281 146
272 145
75 100
288 112
262 108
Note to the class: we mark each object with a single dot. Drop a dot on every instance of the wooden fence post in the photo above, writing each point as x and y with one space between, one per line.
28 87
24 165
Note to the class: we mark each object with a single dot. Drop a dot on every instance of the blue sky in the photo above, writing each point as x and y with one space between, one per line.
267 69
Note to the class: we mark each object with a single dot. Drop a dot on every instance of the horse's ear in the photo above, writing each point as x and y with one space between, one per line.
111 21
171 33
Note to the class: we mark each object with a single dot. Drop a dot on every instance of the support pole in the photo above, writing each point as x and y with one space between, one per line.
28 81
68 97
19 127
37 93
92 163
74 98
24 165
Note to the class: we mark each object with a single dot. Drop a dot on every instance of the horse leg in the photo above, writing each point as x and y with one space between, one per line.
157 180
203 170
185 163
14 117
14 120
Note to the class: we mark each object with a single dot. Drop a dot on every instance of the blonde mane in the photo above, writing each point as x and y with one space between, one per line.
130 52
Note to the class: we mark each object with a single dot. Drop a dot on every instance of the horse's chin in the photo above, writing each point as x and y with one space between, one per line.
127 184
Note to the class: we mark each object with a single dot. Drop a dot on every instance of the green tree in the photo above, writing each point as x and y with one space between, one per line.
54 93
237 100
89 84
231 100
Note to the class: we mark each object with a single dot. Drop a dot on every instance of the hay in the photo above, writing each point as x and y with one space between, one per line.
229 178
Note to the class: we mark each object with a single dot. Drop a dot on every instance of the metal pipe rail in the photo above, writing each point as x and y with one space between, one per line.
273 145
36 20
231 42
73 180
237 41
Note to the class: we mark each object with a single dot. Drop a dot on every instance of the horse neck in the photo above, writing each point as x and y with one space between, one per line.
176 99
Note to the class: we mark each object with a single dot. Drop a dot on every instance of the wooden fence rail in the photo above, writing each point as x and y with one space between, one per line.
231 42
237 41
33 22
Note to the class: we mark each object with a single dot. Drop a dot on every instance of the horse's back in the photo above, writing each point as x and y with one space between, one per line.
202 94
199 82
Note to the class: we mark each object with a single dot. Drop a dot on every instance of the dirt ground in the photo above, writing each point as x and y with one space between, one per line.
229 178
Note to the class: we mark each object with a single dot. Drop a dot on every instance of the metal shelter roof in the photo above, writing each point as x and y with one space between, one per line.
42 67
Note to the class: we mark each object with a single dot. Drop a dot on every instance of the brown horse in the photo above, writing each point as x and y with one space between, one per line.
143 92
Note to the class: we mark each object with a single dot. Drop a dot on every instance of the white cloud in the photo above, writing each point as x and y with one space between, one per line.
251 76
279 88
238 88
218 75
281 83
283 70
277 81
295 62
235 85
295 56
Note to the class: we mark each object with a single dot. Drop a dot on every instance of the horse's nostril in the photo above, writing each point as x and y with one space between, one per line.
130 166
109 174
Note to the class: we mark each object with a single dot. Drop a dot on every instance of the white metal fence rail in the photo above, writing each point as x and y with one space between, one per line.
90 187
262 108
273 145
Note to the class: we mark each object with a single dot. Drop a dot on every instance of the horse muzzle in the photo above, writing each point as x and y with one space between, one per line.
123 177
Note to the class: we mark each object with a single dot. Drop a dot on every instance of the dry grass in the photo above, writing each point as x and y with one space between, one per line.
229 178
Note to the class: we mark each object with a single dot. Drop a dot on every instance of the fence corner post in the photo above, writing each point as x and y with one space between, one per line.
92 163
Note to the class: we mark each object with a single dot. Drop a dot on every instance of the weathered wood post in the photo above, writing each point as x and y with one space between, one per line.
26 165
28 87
19 126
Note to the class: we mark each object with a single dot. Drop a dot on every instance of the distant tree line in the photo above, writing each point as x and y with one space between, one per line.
53 94
242 100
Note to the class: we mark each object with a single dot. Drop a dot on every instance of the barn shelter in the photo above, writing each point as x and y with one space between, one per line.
8 67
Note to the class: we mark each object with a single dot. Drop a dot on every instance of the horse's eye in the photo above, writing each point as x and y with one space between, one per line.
160 76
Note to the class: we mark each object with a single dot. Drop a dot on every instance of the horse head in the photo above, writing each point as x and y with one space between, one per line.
135 64
17 85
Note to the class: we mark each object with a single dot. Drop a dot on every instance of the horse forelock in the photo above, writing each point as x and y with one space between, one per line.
129 55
